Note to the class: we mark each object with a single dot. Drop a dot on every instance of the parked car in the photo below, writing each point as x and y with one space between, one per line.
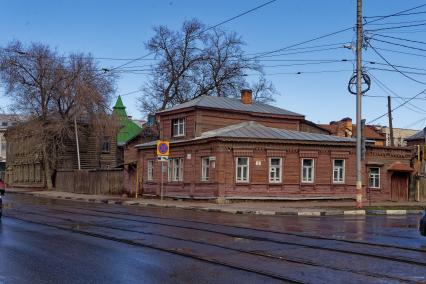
422 227
2 190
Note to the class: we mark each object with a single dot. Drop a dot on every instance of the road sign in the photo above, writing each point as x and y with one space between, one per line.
163 158
162 148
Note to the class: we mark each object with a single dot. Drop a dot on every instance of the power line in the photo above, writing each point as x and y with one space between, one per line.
307 63
401 52
401 105
405 31
399 23
387 90
414 123
393 97
334 33
399 71
302 72
396 27
301 43
399 66
399 15
402 73
238 16
203 31
398 44
298 52
307 47
130 93
399 38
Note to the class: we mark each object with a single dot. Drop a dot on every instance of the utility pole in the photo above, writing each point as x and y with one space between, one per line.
390 122
76 141
359 39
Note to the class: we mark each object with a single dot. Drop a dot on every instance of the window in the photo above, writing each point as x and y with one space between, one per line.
105 146
242 169
178 127
2 147
205 168
374 178
338 171
4 123
275 165
150 170
308 170
175 172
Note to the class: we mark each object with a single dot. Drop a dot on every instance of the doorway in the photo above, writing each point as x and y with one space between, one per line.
399 187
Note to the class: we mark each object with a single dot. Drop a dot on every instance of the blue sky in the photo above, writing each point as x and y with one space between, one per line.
119 29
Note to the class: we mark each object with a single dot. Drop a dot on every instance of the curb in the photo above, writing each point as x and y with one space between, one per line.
394 212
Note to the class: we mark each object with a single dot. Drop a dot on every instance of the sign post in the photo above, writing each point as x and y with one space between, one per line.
163 156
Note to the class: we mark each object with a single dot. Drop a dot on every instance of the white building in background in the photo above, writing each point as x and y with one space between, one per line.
5 122
399 135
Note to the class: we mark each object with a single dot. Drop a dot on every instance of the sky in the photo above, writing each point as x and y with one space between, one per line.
120 29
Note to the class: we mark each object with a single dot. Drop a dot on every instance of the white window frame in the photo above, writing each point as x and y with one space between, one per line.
376 176
336 168
302 178
173 174
150 170
272 169
242 179
205 168
180 124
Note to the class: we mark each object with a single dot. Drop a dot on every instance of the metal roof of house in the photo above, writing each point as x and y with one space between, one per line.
417 136
254 130
232 104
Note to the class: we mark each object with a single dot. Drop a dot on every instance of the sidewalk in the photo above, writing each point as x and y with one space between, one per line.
300 208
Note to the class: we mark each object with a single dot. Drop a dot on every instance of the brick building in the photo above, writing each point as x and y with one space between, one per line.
223 148
345 128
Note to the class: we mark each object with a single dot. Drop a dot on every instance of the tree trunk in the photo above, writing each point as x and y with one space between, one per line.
47 171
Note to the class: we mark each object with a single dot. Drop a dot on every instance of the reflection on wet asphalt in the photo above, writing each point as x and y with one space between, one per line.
51 241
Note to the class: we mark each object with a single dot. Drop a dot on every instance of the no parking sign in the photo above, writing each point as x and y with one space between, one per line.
163 148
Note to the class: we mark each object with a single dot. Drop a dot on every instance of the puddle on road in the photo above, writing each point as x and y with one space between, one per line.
79 226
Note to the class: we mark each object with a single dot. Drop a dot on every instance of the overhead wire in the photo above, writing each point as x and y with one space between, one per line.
395 68
399 106
401 39
389 91
397 44
201 32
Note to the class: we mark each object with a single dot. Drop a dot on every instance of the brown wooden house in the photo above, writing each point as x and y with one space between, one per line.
24 167
223 148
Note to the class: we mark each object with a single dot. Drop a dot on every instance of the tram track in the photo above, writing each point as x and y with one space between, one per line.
255 253
314 237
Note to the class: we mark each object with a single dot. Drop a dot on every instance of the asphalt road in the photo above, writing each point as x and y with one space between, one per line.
58 241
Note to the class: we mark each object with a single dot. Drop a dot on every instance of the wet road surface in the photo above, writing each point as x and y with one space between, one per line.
52 241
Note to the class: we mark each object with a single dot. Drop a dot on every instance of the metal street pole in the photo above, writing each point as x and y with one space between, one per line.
390 122
162 184
358 103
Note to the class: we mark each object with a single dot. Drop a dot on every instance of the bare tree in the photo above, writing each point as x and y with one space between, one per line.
263 90
50 91
195 61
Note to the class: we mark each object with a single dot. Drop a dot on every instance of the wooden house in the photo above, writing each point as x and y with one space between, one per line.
225 148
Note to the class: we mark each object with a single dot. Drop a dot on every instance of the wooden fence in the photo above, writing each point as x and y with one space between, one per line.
90 181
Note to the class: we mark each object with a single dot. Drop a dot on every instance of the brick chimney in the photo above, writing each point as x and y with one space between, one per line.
345 126
246 97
